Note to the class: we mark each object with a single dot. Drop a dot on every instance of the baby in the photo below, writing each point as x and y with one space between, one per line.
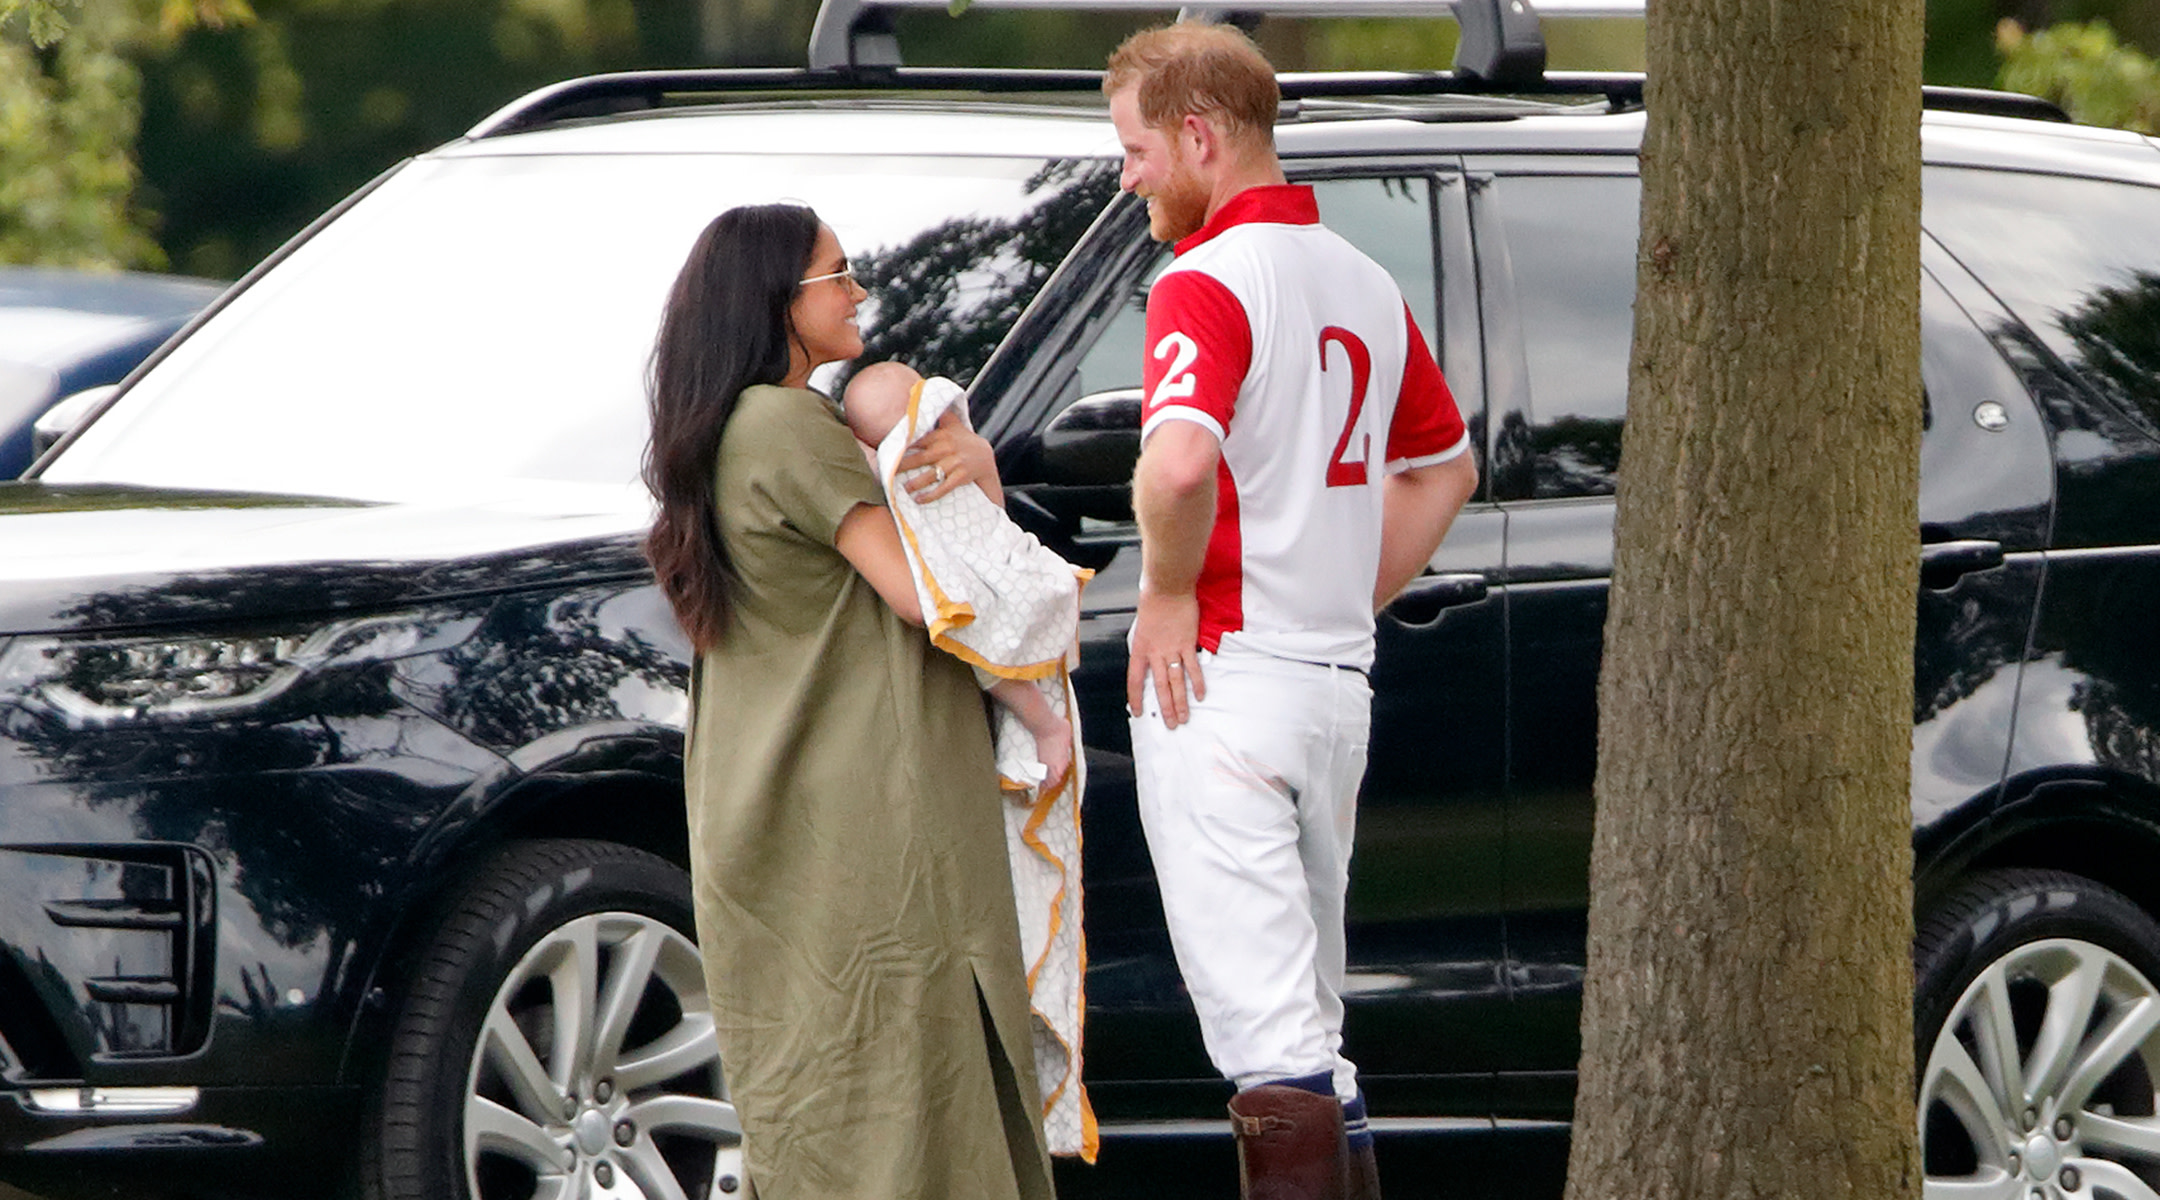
876 400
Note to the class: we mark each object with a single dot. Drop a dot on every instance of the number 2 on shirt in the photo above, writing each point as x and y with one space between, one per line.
1353 472
1178 381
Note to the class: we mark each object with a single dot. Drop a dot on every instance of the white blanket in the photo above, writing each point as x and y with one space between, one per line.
1005 603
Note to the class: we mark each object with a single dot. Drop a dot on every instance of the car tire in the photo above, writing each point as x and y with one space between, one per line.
554 1040
2037 1029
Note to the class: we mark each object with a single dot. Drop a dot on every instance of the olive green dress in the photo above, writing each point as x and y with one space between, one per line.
854 902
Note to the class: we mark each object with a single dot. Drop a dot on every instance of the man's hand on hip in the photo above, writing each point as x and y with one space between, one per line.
1166 648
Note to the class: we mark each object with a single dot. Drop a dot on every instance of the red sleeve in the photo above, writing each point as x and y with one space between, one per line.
1426 424
1199 346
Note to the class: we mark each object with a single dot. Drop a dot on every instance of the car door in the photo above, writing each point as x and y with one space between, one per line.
1555 245
1424 994
1556 249
2068 287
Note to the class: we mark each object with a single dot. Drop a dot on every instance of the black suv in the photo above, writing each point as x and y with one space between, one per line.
340 719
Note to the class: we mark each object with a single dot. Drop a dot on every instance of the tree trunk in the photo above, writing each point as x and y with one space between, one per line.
1747 1021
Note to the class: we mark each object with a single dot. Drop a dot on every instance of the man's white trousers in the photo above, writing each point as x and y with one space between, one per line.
1249 809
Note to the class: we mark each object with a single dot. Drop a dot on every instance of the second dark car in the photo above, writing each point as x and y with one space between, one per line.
62 332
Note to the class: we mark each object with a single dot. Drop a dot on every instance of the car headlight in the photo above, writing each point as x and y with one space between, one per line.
109 681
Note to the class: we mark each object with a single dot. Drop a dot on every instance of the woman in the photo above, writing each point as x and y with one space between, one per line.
853 899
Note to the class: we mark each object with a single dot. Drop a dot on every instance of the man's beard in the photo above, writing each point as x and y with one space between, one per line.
1179 209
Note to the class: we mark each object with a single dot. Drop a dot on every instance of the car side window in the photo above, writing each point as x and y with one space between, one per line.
2076 260
1984 468
1390 219
1113 362
1571 242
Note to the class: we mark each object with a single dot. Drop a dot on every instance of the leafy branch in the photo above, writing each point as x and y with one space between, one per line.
42 21
71 92
2085 68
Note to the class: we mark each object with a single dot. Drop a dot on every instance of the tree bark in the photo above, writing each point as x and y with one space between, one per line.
1747 1021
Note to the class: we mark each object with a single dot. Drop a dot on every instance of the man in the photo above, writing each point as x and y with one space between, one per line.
1301 461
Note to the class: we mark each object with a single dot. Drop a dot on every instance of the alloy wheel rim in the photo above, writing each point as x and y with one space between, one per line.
2041 1084
597 1073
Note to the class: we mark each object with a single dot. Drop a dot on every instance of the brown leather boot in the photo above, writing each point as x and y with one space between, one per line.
1364 1174
1290 1144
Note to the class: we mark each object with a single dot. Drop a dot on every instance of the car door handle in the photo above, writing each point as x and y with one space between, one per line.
1428 596
1944 563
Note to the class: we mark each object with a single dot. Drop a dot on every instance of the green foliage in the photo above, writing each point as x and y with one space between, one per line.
1081 39
250 124
1378 44
2087 70
992 37
1961 49
42 21
70 106
250 132
1961 43
67 171
1393 44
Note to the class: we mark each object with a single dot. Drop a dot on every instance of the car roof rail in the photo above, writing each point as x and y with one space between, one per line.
634 91
631 91
1992 103
1502 41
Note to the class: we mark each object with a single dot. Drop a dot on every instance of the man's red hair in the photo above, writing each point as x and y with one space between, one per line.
1195 69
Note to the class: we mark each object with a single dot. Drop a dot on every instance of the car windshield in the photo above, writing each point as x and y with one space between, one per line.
479 326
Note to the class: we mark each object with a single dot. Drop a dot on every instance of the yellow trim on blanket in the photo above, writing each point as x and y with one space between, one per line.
1045 804
950 613
1037 670
1041 670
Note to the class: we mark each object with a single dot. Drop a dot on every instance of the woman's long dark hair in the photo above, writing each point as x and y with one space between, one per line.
725 328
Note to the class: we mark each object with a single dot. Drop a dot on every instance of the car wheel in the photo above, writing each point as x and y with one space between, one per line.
2038 1026
555 1042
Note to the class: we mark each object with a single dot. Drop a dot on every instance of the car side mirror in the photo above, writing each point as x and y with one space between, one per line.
1077 470
62 418
1095 442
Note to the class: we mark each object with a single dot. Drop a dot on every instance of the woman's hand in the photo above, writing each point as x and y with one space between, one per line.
949 456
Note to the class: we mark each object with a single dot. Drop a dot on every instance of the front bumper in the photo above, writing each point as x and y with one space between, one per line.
238 1143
